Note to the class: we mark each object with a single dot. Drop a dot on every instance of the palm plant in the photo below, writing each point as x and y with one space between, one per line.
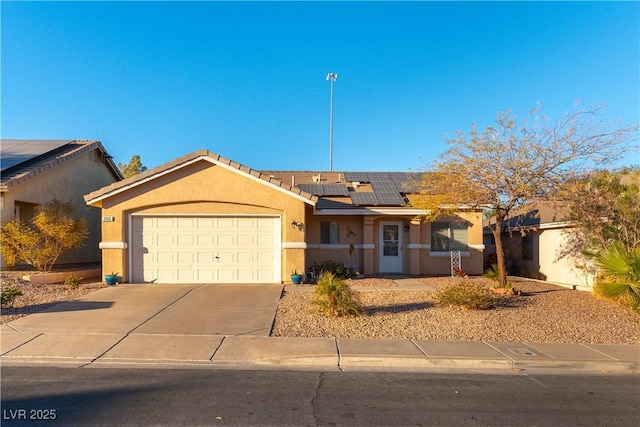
620 268
335 297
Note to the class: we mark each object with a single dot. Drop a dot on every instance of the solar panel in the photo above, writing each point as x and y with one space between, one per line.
16 151
378 176
315 189
334 190
406 182
390 199
366 199
384 187
356 176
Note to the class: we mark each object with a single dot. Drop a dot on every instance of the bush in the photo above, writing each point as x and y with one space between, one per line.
468 295
493 274
72 282
336 268
335 297
39 243
9 294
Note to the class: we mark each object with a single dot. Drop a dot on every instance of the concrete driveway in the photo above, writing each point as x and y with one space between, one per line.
141 324
162 309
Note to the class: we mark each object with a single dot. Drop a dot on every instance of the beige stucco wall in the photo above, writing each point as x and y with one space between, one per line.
440 263
68 182
546 263
417 258
558 270
207 189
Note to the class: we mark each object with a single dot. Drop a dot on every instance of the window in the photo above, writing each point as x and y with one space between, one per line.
329 232
448 236
527 248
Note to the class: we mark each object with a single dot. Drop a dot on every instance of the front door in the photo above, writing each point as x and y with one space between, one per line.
390 247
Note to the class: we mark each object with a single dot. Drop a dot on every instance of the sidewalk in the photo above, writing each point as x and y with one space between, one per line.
255 352
147 326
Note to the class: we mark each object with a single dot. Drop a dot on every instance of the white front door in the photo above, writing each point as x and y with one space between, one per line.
390 247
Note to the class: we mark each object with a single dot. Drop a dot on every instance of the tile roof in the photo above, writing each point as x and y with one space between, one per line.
343 190
23 159
150 174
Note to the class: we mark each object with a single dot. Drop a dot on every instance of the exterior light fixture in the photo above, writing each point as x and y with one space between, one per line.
297 225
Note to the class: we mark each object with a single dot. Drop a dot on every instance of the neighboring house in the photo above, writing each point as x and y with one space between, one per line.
535 245
206 219
35 172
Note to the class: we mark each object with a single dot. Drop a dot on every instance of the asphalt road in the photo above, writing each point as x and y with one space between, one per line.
185 397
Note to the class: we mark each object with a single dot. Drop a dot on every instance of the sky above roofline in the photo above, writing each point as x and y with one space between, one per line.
247 80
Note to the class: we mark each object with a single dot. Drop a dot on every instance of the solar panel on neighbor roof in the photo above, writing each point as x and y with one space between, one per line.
16 151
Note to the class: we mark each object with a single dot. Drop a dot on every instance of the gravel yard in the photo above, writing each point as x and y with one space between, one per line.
544 313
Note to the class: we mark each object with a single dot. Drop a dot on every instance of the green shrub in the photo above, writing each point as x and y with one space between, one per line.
468 295
9 294
493 274
335 297
72 282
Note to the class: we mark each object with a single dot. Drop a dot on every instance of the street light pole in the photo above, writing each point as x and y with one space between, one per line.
331 77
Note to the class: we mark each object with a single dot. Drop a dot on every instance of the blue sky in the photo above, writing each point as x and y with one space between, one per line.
247 79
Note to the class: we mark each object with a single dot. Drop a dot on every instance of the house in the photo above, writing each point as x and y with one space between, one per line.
205 219
35 172
535 245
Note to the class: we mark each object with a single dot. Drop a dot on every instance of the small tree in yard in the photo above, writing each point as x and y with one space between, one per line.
54 229
511 164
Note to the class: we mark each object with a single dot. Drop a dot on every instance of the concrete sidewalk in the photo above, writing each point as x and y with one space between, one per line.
224 326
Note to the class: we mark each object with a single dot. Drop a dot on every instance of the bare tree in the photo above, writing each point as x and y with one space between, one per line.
511 164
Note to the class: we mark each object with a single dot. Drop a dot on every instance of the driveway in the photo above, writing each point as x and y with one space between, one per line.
155 309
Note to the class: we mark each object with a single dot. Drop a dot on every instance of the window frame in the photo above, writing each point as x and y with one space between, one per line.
329 232
442 243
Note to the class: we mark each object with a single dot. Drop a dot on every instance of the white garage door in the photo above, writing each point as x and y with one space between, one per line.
186 249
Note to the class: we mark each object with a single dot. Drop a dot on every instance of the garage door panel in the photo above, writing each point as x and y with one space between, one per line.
246 240
206 258
163 223
205 240
246 257
186 240
265 241
186 257
207 249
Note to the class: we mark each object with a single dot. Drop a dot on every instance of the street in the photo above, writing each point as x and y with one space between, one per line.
180 397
